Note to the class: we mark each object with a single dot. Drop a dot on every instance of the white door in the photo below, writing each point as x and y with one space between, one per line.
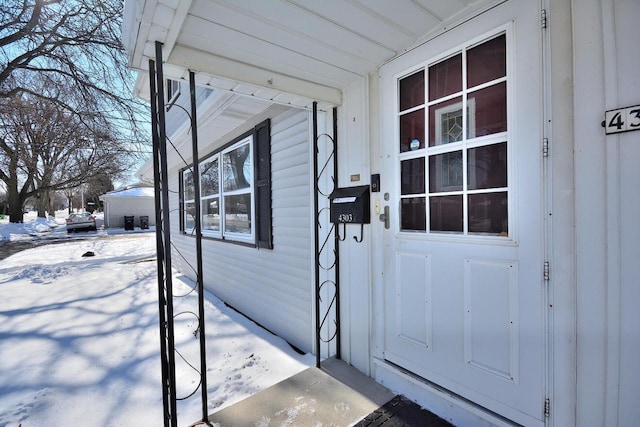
464 251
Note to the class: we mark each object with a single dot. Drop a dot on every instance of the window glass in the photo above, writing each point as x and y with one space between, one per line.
490 111
189 189
238 171
189 216
412 131
445 77
488 213
445 122
189 207
487 61
412 176
445 213
237 217
209 177
413 214
487 167
412 91
445 172
211 214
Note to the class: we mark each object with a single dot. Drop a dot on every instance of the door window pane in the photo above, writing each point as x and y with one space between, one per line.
445 78
412 131
445 122
237 168
445 172
487 166
487 61
412 173
489 112
445 213
211 214
413 214
237 209
488 213
412 91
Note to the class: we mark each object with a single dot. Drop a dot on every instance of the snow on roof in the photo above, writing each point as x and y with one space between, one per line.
130 192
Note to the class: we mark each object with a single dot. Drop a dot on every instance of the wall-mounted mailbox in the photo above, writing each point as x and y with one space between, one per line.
350 205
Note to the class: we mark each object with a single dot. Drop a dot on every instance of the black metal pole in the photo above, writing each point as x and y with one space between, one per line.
159 246
337 234
198 226
166 229
316 218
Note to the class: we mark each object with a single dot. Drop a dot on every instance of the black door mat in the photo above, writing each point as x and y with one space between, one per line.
401 412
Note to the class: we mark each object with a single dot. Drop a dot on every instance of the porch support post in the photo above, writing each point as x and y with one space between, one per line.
166 237
198 229
320 248
159 246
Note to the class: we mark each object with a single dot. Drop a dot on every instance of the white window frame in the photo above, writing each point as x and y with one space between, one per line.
223 232
205 198
173 91
186 202
250 238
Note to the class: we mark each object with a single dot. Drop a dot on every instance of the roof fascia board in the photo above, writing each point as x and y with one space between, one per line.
234 70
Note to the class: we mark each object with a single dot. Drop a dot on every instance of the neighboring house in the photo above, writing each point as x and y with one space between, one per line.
129 201
498 278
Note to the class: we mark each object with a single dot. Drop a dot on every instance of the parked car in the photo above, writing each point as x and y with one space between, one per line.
79 221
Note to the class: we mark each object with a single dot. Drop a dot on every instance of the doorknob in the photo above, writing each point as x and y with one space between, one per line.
385 217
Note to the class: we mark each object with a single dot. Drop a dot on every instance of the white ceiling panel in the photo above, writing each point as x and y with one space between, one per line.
368 25
445 9
410 18
296 50
217 40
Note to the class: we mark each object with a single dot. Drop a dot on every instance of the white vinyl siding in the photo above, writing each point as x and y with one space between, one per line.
273 287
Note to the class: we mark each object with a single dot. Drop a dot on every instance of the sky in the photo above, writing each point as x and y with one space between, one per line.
79 338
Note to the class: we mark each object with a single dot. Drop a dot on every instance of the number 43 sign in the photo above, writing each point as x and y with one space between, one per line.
621 120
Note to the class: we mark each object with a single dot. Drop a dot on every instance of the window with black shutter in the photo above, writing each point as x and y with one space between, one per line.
235 191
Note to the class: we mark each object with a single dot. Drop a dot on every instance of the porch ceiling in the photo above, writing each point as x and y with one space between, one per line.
285 51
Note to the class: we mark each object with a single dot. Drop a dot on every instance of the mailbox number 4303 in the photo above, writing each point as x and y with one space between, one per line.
622 120
345 217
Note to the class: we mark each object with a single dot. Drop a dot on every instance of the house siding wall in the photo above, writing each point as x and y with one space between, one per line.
273 287
607 205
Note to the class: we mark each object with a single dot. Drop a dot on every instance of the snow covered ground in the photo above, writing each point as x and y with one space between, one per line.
79 341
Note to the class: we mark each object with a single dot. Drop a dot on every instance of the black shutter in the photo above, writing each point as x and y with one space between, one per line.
263 185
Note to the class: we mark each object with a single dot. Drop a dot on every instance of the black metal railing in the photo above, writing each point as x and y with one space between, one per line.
164 249
327 273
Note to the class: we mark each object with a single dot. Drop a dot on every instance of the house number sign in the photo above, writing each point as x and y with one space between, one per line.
621 120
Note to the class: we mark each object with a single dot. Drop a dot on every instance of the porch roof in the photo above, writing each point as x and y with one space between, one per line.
292 52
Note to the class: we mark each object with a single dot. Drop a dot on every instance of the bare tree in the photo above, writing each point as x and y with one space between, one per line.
68 54
44 148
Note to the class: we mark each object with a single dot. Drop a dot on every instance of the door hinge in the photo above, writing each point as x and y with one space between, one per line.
545 147
543 18
545 271
547 407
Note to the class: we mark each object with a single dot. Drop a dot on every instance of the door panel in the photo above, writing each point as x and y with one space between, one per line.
464 254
